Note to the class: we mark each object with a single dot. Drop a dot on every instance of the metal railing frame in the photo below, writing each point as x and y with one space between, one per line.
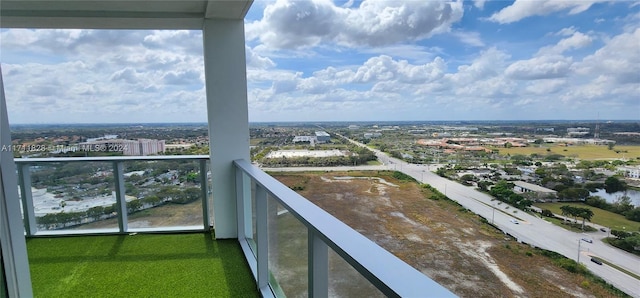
389 274
117 162
392 276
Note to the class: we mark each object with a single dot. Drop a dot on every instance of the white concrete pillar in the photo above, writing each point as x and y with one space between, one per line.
12 242
226 89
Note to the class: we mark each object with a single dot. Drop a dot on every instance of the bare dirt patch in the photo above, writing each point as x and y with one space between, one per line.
438 237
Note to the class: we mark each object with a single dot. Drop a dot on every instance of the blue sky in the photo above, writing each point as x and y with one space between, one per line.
325 60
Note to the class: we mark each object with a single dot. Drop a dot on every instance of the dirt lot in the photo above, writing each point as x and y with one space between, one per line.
438 237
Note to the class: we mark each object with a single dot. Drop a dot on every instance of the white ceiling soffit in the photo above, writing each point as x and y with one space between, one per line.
117 14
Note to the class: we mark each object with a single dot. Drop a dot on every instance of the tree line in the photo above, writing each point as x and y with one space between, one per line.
167 194
628 241
622 206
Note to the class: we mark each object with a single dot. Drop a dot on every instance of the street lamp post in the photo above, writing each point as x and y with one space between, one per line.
579 241
493 211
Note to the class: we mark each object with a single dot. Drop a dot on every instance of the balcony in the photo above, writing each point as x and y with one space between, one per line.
291 246
286 245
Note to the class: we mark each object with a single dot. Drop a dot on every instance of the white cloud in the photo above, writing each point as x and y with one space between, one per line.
576 41
470 38
407 51
298 24
102 75
370 60
479 3
566 31
618 59
521 9
128 75
616 63
489 63
546 87
545 67
254 60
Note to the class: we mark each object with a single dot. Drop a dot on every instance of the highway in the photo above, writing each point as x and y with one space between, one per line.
530 229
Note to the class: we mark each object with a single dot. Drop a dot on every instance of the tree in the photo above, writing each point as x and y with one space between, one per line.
621 234
572 194
95 212
192 177
466 179
585 214
566 211
442 172
133 206
484 185
633 214
613 184
598 202
622 205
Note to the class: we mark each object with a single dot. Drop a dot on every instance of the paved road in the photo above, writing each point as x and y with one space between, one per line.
538 232
528 228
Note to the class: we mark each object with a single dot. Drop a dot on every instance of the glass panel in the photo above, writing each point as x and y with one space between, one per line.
248 211
252 243
3 280
287 252
73 195
163 193
209 191
345 281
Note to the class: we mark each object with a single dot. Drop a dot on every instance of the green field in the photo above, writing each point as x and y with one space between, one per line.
587 152
256 141
600 217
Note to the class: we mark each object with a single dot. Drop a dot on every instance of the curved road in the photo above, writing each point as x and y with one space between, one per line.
528 228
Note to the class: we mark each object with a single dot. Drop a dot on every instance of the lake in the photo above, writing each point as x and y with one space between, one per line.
613 197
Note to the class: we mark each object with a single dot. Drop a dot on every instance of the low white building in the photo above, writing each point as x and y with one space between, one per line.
322 137
371 135
630 172
539 192
310 139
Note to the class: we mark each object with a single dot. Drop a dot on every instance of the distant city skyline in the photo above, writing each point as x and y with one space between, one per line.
320 61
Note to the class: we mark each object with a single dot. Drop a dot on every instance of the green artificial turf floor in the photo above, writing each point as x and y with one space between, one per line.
142 265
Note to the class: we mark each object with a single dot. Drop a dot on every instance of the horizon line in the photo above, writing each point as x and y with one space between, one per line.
333 121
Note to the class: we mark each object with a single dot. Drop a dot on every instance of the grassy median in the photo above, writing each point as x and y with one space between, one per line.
600 217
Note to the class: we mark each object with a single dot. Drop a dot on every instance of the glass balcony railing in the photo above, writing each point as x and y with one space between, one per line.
293 247
114 194
296 249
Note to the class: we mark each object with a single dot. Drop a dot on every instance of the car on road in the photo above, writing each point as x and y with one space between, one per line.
515 221
603 229
587 240
596 260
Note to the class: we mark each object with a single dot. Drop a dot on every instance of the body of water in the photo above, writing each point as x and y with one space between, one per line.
613 197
